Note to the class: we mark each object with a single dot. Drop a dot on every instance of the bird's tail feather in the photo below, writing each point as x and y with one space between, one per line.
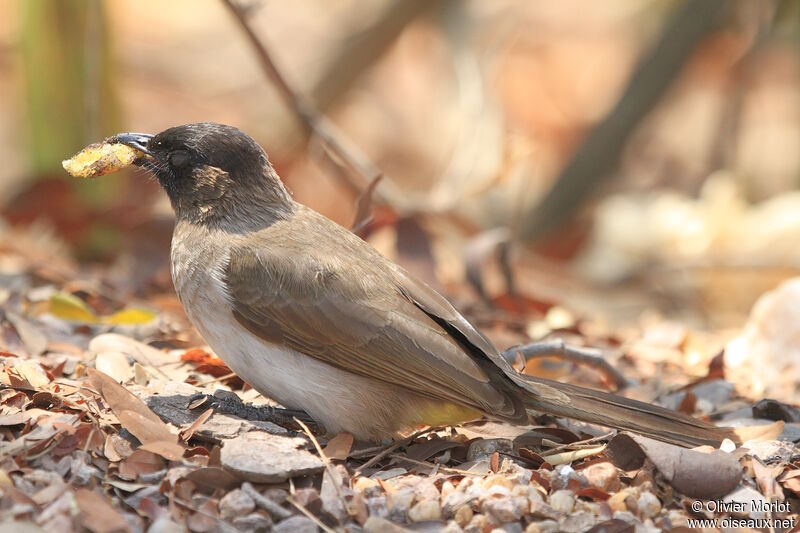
596 407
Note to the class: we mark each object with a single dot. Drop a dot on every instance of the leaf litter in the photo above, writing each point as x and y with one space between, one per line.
102 429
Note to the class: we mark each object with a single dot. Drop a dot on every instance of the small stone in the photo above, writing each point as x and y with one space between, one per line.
454 501
377 506
479 523
617 500
543 526
296 524
562 501
603 476
577 522
381 525
235 503
399 502
451 527
252 522
260 457
426 490
534 495
447 489
512 527
463 515
505 509
364 483
497 480
481 448
425 510
499 491
649 506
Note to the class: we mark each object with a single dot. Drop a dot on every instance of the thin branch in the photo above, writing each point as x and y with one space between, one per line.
313 122
589 357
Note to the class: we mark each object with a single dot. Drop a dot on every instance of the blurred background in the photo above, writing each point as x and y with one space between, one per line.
614 158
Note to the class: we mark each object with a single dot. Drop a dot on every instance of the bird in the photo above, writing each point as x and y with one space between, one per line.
315 318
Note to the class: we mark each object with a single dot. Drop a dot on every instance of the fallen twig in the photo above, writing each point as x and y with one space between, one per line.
577 354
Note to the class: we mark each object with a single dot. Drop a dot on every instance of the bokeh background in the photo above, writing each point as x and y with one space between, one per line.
613 157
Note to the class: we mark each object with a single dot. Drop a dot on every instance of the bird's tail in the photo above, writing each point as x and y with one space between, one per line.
596 407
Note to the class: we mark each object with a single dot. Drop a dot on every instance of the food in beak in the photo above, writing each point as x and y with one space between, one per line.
99 159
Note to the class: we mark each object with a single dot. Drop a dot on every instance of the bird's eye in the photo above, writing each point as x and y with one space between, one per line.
178 158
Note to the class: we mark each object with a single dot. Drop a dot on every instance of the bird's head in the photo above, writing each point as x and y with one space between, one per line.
211 172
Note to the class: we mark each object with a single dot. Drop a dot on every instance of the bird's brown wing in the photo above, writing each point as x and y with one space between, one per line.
355 318
563 399
375 320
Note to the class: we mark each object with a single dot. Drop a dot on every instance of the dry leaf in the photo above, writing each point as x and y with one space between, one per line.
702 475
131 317
115 364
187 433
132 413
765 432
766 479
32 337
30 373
140 462
339 446
97 515
68 307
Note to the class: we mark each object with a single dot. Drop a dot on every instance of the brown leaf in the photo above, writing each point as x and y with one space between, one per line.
169 450
593 493
187 433
140 462
339 446
132 413
422 451
97 515
765 432
792 484
766 479
702 475
143 428
213 477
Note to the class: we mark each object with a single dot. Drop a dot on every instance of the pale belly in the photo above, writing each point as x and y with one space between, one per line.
339 400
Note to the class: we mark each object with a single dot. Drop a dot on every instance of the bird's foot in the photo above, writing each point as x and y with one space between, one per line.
229 403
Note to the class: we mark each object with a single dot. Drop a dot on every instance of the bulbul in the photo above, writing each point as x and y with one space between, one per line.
315 318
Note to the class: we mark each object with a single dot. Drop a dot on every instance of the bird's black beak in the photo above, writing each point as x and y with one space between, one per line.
137 141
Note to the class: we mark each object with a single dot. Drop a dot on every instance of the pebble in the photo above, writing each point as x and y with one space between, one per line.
451 527
425 510
481 448
463 515
577 522
562 501
426 490
399 502
364 483
252 522
617 500
381 525
478 524
296 524
543 526
603 476
503 509
497 480
235 503
648 505
447 489
455 501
